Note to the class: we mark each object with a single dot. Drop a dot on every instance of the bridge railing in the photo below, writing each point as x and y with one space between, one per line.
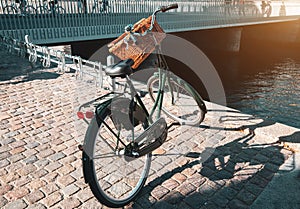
55 21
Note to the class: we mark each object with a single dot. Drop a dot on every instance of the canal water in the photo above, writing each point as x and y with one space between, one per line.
264 83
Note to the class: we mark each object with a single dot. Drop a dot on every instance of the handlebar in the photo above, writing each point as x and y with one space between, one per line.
169 7
160 9
129 28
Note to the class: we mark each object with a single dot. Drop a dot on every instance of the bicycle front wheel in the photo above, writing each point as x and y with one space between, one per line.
181 102
114 179
59 10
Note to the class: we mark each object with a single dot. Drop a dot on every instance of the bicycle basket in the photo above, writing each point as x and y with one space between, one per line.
124 47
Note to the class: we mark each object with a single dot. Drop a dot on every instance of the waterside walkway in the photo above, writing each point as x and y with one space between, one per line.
232 160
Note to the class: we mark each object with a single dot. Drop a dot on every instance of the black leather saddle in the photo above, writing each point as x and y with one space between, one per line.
121 69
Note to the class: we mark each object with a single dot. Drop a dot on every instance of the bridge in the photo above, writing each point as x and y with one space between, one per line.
71 21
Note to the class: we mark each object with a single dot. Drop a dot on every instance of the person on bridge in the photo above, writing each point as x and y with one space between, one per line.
227 6
242 7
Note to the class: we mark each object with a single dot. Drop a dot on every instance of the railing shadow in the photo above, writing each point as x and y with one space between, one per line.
18 70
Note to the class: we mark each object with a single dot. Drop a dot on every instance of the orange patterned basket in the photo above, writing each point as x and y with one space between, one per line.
124 47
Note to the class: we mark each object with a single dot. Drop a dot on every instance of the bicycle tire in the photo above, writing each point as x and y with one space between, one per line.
59 10
30 10
42 10
10 10
191 114
110 178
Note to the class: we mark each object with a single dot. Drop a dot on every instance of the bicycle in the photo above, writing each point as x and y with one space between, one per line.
100 6
122 133
50 7
22 8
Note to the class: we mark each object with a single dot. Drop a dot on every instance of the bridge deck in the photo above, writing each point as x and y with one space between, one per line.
71 23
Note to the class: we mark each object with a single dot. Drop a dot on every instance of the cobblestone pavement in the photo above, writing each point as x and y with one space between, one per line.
227 162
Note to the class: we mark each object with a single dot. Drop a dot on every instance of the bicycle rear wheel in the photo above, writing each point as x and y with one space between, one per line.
181 102
114 179
30 10
10 10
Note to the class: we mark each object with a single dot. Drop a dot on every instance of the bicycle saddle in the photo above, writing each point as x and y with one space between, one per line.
121 69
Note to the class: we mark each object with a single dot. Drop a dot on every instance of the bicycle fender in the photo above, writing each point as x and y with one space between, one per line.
87 152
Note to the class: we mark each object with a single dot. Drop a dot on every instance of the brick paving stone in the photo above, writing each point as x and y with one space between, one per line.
220 200
65 180
39 173
70 203
159 191
36 206
31 159
50 188
4 148
253 188
3 201
34 196
41 162
84 195
5 155
22 181
53 166
16 158
16 193
51 177
19 204
27 169
57 156
5 188
188 172
7 138
206 190
45 153
173 197
170 184
9 177
70 189
260 181
186 188
266 174
183 205
163 205
246 197
237 204
36 184
91 204
4 163
195 200
52 199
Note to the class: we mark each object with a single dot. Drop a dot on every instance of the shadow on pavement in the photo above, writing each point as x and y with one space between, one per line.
15 69
233 176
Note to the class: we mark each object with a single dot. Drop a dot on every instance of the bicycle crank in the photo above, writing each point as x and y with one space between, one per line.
152 138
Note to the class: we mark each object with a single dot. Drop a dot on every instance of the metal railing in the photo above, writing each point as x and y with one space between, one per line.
62 61
67 21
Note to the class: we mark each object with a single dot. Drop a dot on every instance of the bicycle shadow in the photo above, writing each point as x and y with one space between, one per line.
293 138
232 176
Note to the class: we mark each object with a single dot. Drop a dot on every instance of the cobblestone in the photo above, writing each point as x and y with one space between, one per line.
41 166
